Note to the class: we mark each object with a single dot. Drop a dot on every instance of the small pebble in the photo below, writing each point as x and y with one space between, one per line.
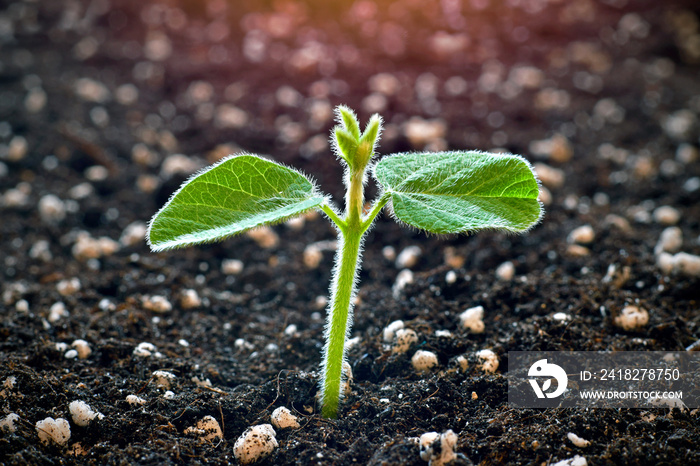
374 103
632 318
312 256
83 348
420 132
81 191
231 266
389 253
68 287
666 215
127 94
10 382
169 395
291 330
61 347
408 258
179 164
506 271
9 423
405 337
264 236
575 461
404 278
352 342
552 178
256 443
36 99
296 223
489 360
52 210
156 303
87 247
577 441
389 331
22 306
320 303
242 344
670 240
55 430
144 349
385 83
163 379
91 90
557 148
576 250
71 354
581 235
82 413
14 198
207 428
230 117
618 222
133 234
452 258
190 299
561 316
135 400
692 184
472 319
679 124
687 153
423 361
451 277
17 149
283 418
56 311
682 262
438 449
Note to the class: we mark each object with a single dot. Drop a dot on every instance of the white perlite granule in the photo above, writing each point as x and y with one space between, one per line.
283 418
256 443
56 430
82 413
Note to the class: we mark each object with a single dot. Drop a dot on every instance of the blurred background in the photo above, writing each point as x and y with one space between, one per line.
142 81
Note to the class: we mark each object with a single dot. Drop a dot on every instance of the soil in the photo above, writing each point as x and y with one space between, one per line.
613 82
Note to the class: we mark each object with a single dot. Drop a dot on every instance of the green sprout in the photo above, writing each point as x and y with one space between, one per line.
440 192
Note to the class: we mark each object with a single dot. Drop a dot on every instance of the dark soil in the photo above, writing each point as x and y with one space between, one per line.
613 72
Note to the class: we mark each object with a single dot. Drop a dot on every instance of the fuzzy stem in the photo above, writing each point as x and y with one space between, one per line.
339 318
351 230
345 273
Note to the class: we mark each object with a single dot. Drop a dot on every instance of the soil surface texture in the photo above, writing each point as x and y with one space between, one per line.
107 106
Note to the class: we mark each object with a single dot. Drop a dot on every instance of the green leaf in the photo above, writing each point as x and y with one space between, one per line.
346 145
454 192
231 197
368 140
372 130
349 119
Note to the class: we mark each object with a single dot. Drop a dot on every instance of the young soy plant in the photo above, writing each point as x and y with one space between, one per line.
442 192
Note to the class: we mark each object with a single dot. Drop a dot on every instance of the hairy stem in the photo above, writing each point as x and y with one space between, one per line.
345 273
339 320
351 229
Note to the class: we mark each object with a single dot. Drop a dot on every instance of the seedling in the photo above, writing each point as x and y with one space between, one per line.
441 192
